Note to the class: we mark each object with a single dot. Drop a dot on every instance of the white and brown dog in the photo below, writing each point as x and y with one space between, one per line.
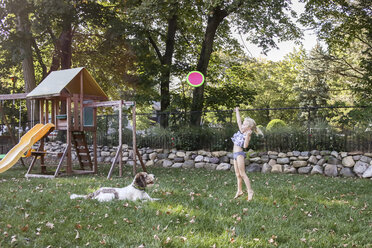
134 191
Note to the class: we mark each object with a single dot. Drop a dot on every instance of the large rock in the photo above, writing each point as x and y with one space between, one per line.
287 169
317 169
180 154
189 164
282 155
368 172
266 168
360 167
171 155
347 172
305 154
105 154
365 159
254 167
321 162
296 153
199 165
313 159
283 160
204 153
210 166
333 160
368 154
303 158
277 168
224 159
315 152
343 154
199 158
304 170
223 166
356 157
214 160
325 153
149 163
264 158
159 163
255 160
334 154
167 163
178 159
219 154
299 163
272 153
177 165
162 155
272 162
355 153
330 170
153 155
348 161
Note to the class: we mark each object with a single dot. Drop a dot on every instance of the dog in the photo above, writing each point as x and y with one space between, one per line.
134 191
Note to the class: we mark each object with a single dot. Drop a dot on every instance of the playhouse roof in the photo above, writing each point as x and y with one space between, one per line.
69 79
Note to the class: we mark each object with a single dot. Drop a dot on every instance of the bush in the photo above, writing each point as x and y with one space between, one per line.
275 124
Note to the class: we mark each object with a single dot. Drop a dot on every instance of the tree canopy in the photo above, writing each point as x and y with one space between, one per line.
143 50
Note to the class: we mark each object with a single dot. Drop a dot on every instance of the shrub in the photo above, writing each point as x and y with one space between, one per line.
275 124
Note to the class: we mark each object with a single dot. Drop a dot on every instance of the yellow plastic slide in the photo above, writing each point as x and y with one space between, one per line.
26 142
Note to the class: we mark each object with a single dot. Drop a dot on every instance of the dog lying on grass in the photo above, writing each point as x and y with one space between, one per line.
134 191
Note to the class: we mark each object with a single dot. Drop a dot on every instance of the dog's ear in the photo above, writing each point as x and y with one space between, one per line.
140 181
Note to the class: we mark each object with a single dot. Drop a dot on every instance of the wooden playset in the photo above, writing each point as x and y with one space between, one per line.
69 100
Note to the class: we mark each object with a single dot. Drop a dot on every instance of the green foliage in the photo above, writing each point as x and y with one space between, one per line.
312 86
346 28
275 124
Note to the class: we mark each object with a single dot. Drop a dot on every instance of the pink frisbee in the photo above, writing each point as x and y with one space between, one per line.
195 78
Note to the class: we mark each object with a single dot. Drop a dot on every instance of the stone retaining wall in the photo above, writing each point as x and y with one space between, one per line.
329 163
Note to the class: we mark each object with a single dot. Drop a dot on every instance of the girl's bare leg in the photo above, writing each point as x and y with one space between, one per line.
239 192
241 168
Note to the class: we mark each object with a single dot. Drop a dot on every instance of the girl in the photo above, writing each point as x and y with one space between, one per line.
241 140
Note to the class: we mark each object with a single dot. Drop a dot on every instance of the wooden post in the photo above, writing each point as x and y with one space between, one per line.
46 111
134 139
57 103
76 111
120 139
69 141
53 114
81 100
41 111
95 164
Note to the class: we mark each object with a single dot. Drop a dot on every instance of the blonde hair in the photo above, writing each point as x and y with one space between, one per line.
252 124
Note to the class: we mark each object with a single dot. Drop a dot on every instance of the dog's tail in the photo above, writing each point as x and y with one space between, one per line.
75 196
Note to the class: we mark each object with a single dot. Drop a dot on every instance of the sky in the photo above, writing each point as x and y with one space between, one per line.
309 41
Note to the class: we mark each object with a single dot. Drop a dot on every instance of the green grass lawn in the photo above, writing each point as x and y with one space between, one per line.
196 210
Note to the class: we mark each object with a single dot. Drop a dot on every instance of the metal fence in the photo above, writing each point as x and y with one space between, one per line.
216 134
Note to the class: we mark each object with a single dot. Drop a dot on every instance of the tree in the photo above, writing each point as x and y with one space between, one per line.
22 41
162 35
312 86
346 28
263 20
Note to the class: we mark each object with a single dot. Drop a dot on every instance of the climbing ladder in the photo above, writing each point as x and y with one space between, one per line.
82 151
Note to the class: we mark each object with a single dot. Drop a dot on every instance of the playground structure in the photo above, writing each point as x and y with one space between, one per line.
68 101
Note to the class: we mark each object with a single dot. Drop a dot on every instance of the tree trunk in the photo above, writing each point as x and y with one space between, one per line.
24 29
205 54
66 45
167 63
